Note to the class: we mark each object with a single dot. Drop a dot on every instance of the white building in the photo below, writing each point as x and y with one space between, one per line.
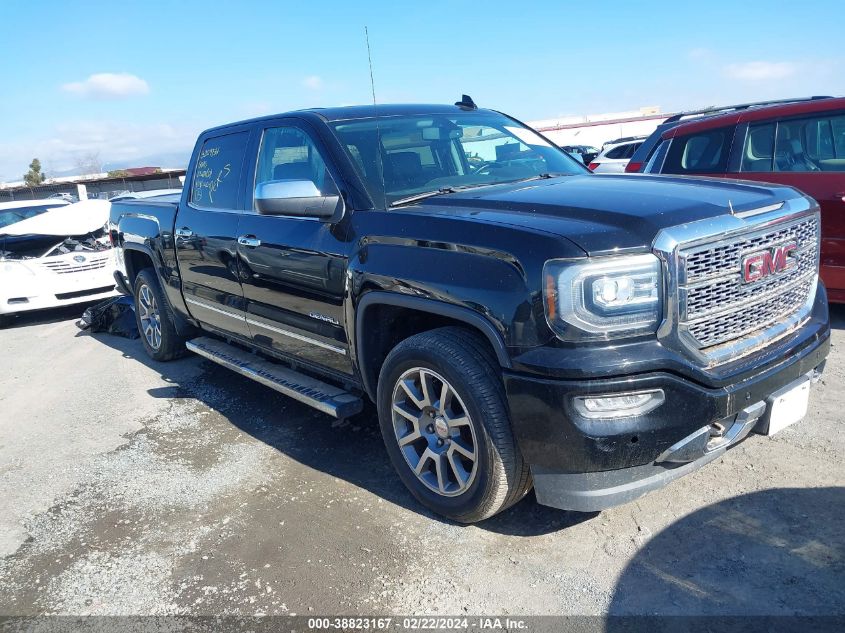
595 129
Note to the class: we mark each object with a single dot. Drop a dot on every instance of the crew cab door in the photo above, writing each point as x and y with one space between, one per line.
294 267
206 231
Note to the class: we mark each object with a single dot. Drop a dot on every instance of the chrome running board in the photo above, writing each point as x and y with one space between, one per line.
327 398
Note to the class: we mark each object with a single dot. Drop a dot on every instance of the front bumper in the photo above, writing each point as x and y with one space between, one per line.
587 464
39 287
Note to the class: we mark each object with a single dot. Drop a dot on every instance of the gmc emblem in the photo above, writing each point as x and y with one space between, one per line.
766 263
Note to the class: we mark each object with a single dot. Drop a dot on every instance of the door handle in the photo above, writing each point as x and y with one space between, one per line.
249 240
184 232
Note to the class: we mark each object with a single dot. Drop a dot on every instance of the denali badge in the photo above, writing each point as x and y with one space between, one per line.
323 317
765 263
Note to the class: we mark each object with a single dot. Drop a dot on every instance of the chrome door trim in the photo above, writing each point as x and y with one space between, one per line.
242 315
299 337
202 304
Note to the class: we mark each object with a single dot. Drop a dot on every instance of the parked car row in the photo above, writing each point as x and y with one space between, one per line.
584 153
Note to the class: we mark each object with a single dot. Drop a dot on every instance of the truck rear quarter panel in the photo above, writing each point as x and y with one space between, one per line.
145 230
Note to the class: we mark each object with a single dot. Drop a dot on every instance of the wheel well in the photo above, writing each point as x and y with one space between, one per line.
135 261
394 325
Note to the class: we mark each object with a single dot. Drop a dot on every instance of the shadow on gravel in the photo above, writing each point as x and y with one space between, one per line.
48 315
351 450
778 552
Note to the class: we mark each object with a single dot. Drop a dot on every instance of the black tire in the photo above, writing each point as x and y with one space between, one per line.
458 356
169 344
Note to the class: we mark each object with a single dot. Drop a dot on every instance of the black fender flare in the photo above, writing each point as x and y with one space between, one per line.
139 248
421 304
185 326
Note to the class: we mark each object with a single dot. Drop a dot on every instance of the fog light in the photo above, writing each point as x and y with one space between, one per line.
621 405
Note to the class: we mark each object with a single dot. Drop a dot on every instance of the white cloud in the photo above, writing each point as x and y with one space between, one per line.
114 141
313 82
108 86
761 71
700 54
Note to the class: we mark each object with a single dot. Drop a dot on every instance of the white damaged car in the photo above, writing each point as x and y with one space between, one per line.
61 256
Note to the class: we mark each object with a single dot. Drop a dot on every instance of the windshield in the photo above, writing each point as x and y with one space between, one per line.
423 153
15 215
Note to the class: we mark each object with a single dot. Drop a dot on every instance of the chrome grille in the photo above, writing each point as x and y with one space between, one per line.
717 308
64 266
706 262
731 325
722 293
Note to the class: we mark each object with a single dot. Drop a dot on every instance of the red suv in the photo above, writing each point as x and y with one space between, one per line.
798 144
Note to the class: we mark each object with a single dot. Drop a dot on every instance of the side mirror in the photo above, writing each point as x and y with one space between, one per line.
297 198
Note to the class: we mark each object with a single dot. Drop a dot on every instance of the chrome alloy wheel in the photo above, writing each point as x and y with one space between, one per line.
434 432
150 316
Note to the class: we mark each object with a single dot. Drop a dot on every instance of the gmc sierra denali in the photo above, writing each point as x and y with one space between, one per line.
517 320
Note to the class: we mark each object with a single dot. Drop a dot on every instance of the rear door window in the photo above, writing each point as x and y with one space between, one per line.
217 174
700 153
759 148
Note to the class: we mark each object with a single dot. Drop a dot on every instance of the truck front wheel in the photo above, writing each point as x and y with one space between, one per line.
155 320
444 420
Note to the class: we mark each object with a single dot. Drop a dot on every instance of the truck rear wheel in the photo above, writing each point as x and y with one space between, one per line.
155 320
444 419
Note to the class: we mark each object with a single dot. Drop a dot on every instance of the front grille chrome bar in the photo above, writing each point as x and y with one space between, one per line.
712 315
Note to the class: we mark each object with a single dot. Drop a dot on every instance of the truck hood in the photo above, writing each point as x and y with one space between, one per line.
605 213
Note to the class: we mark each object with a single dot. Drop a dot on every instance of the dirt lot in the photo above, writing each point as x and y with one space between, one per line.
128 487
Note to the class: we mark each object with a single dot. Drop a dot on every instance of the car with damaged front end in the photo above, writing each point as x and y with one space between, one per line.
54 254
516 319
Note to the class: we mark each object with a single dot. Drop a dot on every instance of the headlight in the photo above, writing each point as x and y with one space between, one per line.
602 298
12 267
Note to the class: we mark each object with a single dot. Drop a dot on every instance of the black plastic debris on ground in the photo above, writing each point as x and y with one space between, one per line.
114 316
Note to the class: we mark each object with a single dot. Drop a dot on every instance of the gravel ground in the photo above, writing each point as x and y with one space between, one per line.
129 487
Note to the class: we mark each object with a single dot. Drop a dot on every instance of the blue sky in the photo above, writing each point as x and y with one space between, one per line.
133 80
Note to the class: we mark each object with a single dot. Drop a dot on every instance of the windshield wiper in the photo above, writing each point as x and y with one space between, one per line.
444 190
424 195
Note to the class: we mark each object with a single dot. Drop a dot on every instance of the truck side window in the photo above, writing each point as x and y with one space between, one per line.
288 153
217 172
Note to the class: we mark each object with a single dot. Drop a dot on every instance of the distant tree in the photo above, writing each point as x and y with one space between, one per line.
118 173
34 176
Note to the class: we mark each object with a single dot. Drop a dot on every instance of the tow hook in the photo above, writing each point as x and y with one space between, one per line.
717 429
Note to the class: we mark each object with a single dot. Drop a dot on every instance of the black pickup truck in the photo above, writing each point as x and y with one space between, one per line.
517 320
